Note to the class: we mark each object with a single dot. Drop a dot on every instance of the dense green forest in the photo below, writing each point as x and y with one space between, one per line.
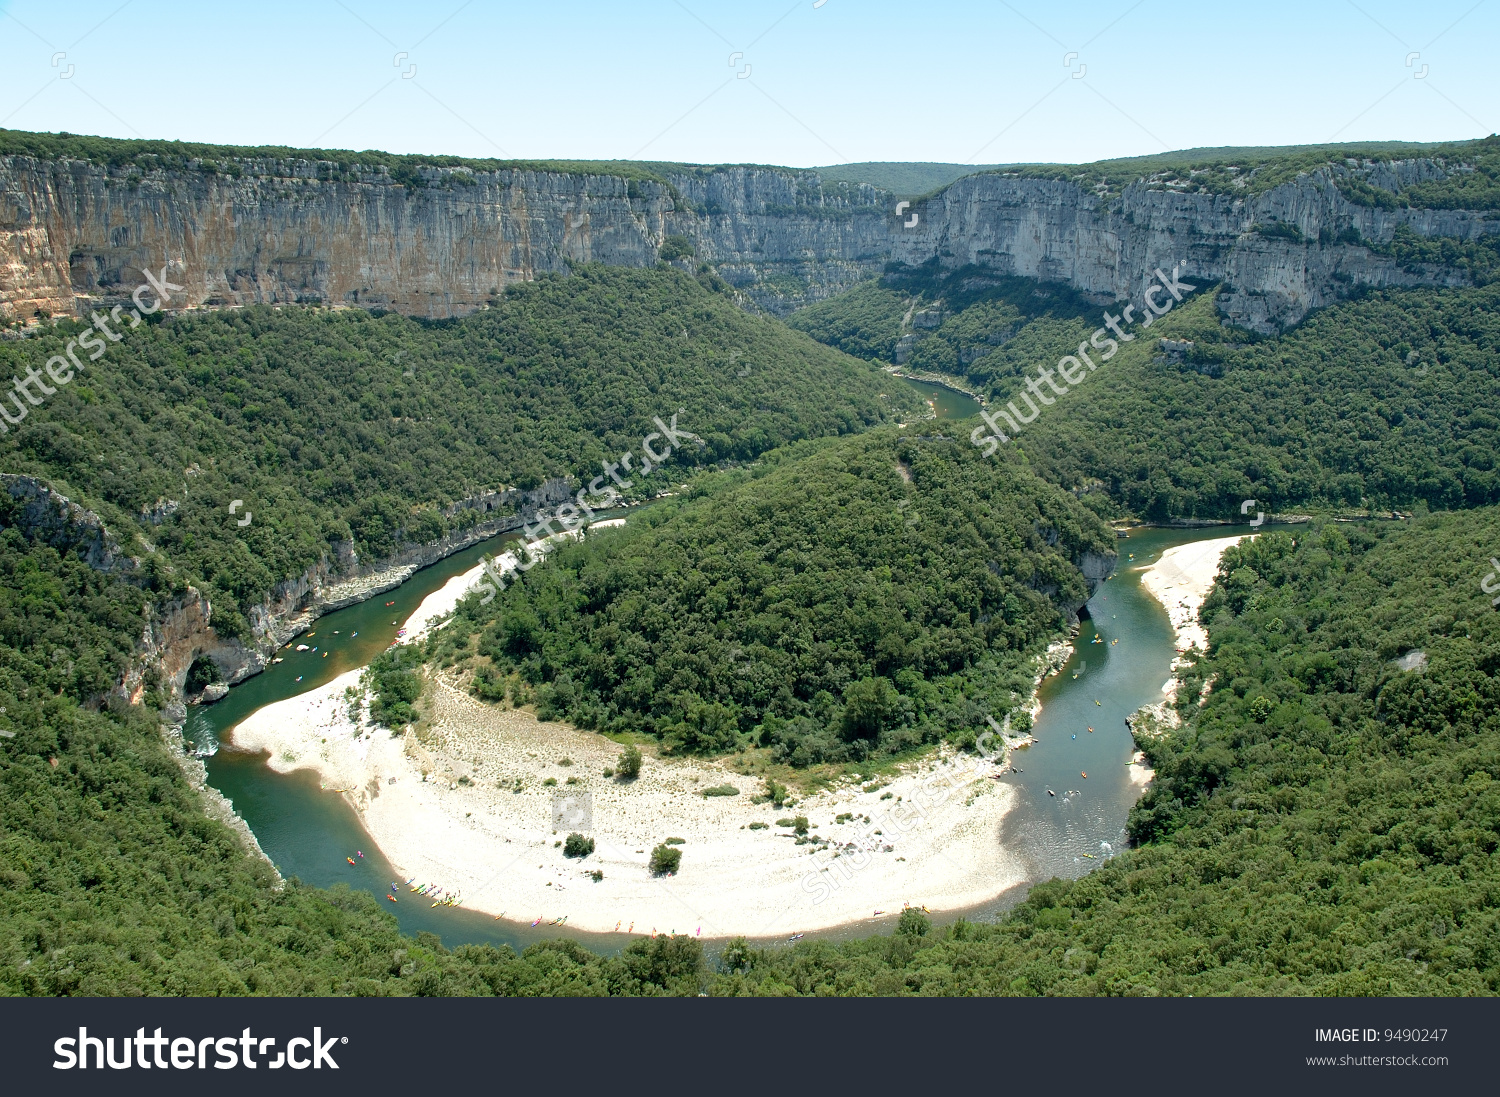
842 600
114 881
1389 400
339 424
1392 400
977 312
1326 823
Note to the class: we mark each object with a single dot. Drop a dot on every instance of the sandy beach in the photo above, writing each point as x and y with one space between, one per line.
1181 579
466 806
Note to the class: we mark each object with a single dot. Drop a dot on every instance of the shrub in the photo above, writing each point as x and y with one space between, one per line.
394 689
759 826
629 765
676 247
550 782
721 790
676 841
608 772
596 875
665 859
578 846
913 923
736 955
799 824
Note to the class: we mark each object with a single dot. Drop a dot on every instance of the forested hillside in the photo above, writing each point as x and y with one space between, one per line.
1328 822
1388 401
339 424
113 881
842 600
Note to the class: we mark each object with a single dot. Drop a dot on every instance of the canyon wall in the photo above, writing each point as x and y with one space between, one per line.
1054 231
440 241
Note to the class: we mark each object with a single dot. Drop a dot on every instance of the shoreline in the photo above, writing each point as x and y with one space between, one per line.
464 806
932 379
1180 579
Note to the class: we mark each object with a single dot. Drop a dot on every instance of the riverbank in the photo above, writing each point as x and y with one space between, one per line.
1180 580
465 804
942 380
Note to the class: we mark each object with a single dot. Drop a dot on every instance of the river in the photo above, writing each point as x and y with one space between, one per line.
309 832
945 403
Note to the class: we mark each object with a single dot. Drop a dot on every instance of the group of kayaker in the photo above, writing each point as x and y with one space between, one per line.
439 896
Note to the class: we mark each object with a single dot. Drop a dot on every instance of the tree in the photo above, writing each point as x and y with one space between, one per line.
629 765
578 846
665 859
869 705
913 923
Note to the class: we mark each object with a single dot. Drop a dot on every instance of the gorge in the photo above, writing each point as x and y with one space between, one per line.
240 226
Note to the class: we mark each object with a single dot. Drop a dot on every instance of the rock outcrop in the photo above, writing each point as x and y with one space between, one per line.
441 241
53 519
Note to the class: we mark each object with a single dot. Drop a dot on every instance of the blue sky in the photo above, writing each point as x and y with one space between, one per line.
846 80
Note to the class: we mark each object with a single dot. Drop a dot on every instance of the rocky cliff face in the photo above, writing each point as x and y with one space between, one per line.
438 244
53 519
286 231
1053 231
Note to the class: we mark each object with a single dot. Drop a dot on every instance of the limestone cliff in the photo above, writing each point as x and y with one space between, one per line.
440 241
1053 231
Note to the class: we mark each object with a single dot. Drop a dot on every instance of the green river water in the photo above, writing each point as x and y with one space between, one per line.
308 832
